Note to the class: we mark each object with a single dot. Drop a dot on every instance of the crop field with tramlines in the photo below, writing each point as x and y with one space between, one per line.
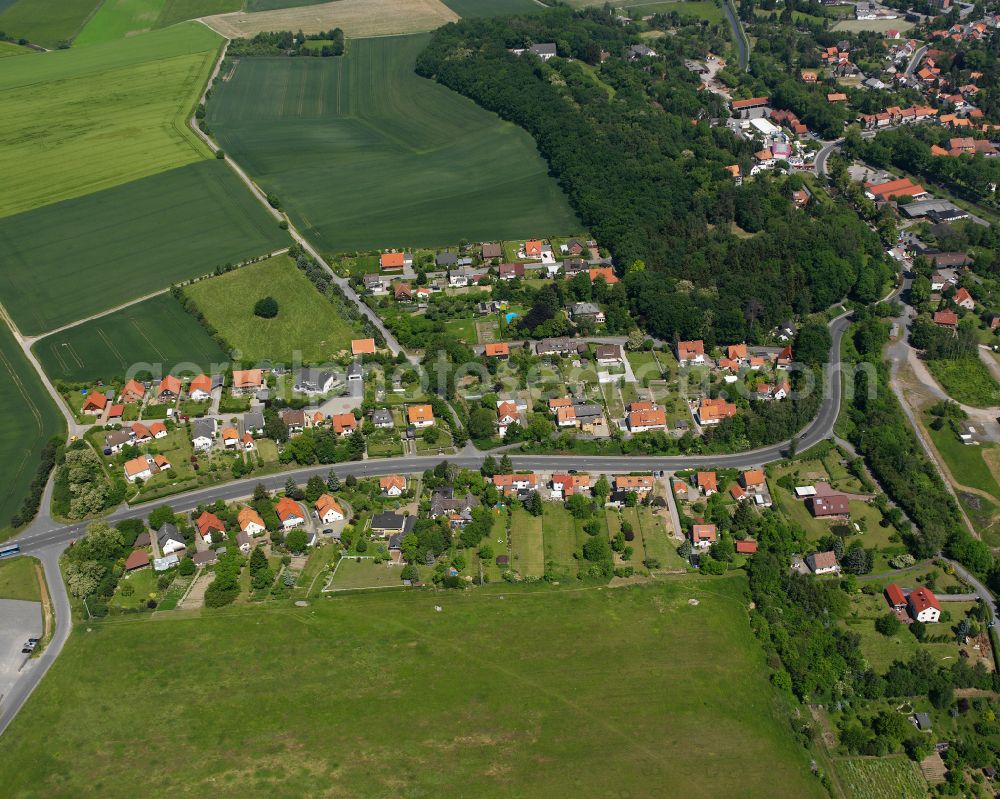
68 261
364 153
30 419
157 331
80 120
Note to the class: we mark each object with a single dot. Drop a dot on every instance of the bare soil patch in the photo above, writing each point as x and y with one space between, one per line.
357 18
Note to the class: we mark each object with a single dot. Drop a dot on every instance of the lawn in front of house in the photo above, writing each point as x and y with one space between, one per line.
498 683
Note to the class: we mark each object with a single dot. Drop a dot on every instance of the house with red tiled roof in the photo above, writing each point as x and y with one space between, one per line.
209 523
963 299
895 596
343 423
363 346
566 485
603 271
158 430
329 510
250 522
420 415
713 411
499 350
690 352
169 388
947 319
392 485
707 482
289 513
924 606
248 381
94 404
134 391
703 535
392 261
746 547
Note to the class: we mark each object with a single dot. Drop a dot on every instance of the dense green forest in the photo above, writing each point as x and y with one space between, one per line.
631 144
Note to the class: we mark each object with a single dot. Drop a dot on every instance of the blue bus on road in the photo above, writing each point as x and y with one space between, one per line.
9 550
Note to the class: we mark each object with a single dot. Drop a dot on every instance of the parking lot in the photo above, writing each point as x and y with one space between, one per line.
19 621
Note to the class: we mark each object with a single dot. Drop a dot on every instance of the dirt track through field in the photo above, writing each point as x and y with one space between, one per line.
357 18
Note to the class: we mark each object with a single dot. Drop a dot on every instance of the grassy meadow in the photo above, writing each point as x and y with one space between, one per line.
306 322
30 419
85 119
175 11
46 22
379 695
8 49
18 579
157 331
364 154
127 242
966 380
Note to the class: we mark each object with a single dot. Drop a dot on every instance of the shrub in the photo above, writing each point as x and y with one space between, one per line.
187 567
888 624
266 308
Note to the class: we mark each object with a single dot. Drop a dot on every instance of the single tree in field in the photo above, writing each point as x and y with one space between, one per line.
266 308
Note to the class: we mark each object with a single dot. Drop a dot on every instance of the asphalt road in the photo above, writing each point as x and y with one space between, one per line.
35 540
46 540
739 35
819 165
36 668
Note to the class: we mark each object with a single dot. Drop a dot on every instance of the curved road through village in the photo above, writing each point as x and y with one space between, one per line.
46 540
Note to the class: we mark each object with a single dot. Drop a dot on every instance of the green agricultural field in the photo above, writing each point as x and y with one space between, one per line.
18 579
8 49
175 11
490 8
488 699
85 119
32 418
271 5
306 323
365 154
46 22
157 331
116 19
76 258
882 778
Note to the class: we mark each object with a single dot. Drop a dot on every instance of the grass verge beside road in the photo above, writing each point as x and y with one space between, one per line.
18 579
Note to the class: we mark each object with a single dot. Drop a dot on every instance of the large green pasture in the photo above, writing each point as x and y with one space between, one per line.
157 331
364 154
30 419
586 693
70 260
46 22
81 120
306 323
